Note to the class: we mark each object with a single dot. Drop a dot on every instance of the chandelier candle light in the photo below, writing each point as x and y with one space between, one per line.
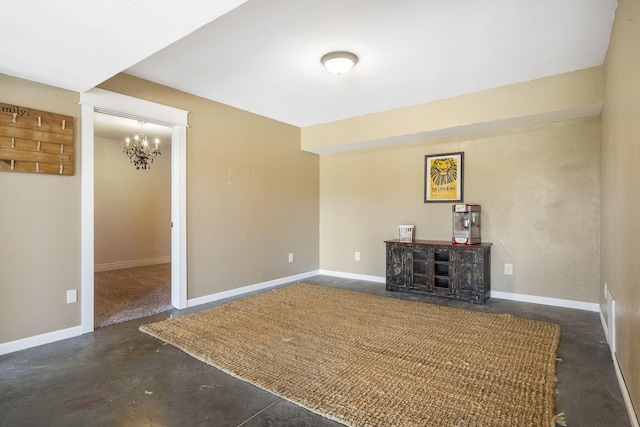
138 150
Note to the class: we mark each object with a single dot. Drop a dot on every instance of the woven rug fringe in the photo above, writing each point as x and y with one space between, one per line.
560 419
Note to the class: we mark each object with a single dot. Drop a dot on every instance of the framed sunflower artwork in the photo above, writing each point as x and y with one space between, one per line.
444 177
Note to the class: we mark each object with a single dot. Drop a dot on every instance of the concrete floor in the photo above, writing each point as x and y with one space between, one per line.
118 376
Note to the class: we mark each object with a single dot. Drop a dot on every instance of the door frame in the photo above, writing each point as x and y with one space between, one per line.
102 101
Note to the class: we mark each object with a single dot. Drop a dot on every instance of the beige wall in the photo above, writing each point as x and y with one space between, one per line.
556 98
132 207
620 178
252 195
39 229
252 198
538 188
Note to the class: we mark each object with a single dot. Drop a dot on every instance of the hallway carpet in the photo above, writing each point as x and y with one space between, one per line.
131 293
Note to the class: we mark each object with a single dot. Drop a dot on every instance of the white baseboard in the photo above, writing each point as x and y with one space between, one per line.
580 305
36 340
625 393
50 337
250 288
353 276
610 336
556 302
604 327
108 266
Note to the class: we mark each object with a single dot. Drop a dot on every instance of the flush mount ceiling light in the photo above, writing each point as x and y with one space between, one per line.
339 62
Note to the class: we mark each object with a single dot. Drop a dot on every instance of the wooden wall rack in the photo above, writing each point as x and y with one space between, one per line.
35 141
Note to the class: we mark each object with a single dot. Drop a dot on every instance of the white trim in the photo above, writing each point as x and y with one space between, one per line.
625 393
610 334
353 276
612 325
126 106
179 217
609 326
36 340
580 305
121 265
603 323
250 288
119 105
556 302
86 220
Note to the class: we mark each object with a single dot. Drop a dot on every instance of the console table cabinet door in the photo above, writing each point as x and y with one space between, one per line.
466 274
418 261
396 269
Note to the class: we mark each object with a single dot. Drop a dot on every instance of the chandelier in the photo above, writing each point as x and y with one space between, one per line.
139 151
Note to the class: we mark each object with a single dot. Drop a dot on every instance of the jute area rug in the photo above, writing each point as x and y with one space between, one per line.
366 360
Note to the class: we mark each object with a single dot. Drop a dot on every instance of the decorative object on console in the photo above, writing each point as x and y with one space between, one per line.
444 177
139 151
466 224
440 268
406 233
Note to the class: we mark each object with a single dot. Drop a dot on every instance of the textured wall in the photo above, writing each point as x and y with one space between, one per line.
252 198
620 183
252 195
539 191
39 229
132 207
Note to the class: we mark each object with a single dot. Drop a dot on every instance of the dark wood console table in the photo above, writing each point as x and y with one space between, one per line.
440 268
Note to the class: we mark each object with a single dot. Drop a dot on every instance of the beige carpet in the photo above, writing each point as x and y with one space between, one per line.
121 295
366 360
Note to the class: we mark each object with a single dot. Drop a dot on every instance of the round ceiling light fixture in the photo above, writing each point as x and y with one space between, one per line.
339 62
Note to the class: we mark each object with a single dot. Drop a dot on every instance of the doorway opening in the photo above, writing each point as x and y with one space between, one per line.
117 105
132 223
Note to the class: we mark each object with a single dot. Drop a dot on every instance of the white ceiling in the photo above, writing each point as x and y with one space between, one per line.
264 55
78 44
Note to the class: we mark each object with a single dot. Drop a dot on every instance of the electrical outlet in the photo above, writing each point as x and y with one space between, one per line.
291 257
508 269
72 296
357 256
606 291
